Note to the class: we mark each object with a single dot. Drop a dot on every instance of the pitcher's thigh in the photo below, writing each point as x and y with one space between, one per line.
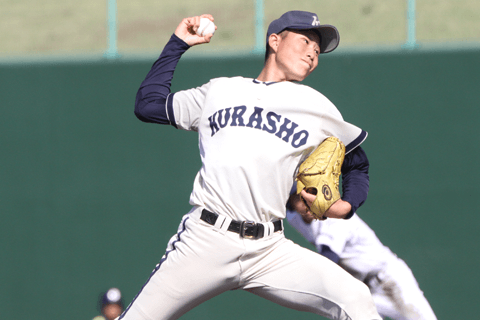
187 276
306 281
167 296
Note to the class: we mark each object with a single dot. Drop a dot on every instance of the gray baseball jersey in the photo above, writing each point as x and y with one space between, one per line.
254 134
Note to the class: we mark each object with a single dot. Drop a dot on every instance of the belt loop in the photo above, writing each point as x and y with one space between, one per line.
268 227
272 227
219 222
224 227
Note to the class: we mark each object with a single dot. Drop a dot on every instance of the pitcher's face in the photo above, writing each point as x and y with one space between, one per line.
297 54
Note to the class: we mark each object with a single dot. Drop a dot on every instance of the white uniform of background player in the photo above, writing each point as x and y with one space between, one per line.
394 288
253 135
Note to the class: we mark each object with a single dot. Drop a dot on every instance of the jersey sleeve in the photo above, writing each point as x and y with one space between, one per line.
185 107
351 135
355 179
154 101
151 103
332 122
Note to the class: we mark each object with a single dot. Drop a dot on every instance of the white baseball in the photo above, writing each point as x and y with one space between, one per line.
206 27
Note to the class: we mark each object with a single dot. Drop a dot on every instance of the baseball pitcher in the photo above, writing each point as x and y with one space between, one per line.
253 136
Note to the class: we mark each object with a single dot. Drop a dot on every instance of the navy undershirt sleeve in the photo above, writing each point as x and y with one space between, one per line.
327 252
151 99
355 179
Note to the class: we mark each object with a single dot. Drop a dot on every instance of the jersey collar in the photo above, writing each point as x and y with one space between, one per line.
263 82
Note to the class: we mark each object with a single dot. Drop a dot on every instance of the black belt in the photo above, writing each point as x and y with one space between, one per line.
246 229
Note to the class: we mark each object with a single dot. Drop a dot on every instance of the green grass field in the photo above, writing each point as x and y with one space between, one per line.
67 26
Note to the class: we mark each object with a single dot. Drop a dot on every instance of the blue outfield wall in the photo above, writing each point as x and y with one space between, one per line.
90 195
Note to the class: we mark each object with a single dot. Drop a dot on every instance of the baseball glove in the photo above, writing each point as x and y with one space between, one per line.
319 175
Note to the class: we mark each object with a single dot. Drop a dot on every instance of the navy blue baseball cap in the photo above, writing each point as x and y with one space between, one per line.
303 20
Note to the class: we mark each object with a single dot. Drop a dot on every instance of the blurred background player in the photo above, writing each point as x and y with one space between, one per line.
110 305
355 247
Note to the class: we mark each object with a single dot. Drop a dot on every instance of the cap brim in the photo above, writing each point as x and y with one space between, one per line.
330 38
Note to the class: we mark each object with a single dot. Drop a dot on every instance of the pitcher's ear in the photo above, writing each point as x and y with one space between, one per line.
273 41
